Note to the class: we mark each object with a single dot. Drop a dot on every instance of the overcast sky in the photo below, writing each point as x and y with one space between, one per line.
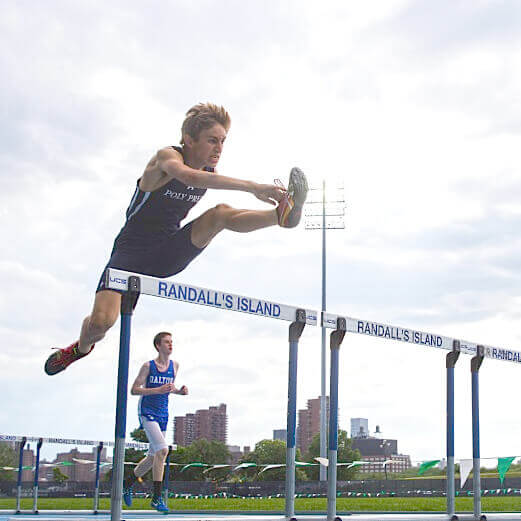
414 105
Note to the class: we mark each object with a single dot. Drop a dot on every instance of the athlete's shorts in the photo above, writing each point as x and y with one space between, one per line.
164 259
155 430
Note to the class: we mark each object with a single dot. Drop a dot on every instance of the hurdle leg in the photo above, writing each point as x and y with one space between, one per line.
96 481
127 304
337 337
451 360
20 470
475 364
295 330
36 473
167 476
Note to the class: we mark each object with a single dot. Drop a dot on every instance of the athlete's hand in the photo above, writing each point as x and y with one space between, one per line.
183 390
271 194
165 389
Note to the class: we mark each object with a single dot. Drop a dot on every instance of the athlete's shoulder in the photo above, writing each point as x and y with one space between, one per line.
169 153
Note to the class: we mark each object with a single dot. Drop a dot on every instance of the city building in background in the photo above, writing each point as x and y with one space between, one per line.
236 454
376 449
210 424
359 428
280 434
309 423
79 471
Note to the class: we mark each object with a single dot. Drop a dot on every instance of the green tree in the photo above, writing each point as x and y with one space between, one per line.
345 454
200 451
269 452
8 458
139 434
59 476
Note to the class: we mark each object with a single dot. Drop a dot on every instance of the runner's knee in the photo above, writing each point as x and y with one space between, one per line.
162 453
220 213
102 320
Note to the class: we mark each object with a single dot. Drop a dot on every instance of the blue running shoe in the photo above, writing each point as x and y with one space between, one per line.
127 496
159 504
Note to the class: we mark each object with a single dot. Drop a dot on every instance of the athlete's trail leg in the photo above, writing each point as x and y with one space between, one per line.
104 314
144 466
224 217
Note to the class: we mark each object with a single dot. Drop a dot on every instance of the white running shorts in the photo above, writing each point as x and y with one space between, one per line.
156 437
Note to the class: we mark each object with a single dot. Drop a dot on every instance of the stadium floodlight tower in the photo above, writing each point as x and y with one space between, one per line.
324 210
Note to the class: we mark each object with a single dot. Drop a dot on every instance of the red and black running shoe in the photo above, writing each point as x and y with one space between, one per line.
290 207
62 358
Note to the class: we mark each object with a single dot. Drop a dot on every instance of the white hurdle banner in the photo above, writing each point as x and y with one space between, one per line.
416 337
155 287
66 441
118 280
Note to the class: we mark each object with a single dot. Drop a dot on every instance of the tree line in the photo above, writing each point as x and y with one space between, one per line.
266 452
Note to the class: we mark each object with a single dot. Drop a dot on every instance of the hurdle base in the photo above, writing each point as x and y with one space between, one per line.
468 517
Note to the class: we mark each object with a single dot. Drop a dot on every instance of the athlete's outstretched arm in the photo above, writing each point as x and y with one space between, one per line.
171 163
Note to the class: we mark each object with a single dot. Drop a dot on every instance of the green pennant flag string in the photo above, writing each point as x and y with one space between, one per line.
194 465
503 464
427 465
245 466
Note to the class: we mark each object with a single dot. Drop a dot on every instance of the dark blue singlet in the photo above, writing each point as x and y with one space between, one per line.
154 407
151 240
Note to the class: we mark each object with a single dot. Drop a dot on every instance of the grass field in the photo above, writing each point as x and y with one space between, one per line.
489 504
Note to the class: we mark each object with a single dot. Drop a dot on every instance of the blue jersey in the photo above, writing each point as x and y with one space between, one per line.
153 217
155 406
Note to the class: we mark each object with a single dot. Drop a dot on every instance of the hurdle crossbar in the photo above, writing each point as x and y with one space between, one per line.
417 337
155 287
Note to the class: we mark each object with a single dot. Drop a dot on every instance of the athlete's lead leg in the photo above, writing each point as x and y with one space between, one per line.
224 217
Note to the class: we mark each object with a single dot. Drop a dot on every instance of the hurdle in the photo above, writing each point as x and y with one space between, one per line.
23 440
132 285
342 325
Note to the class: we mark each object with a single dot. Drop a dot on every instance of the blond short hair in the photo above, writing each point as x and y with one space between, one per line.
203 116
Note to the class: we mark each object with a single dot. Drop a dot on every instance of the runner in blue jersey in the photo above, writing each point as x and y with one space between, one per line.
153 240
154 383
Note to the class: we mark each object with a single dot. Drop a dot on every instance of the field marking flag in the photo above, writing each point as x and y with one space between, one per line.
245 466
221 466
358 463
465 466
503 464
323 461
427 465
268 467
196 464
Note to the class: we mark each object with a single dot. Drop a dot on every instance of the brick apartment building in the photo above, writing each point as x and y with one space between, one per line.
309 423
210 424
80 471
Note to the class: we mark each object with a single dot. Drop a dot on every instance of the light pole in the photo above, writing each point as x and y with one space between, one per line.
322 220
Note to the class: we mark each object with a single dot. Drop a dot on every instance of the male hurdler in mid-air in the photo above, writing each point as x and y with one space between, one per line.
152 240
